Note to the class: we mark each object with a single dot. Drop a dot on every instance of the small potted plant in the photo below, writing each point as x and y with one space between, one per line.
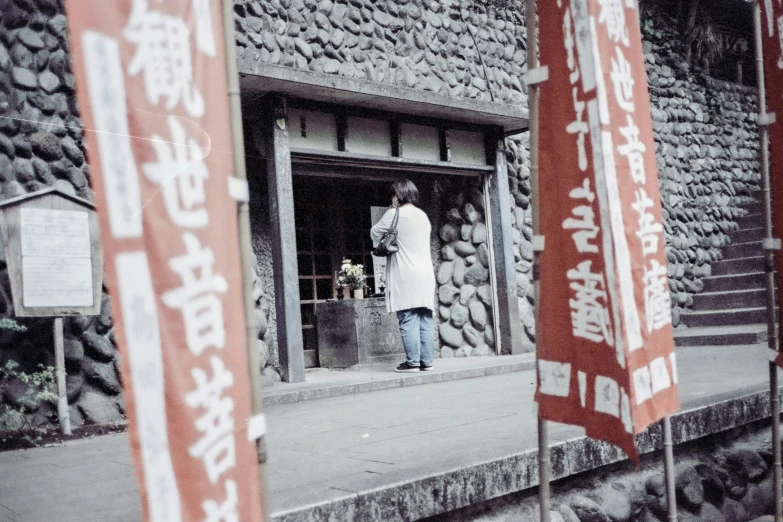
352 277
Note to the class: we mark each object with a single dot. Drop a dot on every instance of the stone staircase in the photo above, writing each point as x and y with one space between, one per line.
732 308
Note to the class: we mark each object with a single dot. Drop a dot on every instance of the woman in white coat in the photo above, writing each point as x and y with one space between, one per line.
410 276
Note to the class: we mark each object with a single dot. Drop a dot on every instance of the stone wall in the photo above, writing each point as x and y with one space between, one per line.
464 291
264 288
469 48
707 150
724 478
40 146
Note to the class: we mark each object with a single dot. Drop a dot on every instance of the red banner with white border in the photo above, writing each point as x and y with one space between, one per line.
605 347
152 88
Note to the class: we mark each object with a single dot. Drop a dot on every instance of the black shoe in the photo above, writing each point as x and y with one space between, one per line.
425 368
406 368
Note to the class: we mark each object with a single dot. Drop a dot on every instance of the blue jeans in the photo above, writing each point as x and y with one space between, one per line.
418 336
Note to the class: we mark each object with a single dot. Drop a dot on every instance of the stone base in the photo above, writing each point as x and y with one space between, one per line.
355 332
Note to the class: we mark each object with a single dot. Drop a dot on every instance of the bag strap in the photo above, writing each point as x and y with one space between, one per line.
395 220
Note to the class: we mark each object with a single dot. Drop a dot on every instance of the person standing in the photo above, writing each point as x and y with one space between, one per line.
410 276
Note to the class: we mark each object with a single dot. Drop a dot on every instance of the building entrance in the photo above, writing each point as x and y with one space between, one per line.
333 222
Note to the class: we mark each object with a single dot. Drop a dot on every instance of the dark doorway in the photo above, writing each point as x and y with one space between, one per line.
333 222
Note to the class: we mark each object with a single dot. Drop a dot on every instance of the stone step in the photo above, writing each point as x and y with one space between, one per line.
738 266
738 316
721 335
746 298
738 250
754 219
734 282
747 235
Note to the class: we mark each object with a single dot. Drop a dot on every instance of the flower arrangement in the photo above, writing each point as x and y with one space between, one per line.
351 276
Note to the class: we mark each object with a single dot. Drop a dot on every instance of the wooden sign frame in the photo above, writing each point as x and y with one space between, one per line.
11 224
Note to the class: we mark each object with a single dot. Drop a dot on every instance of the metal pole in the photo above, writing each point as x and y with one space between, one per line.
532 90
668 469
243 211
59 360
769 259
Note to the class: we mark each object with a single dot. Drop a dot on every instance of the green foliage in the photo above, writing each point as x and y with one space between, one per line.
9 324
15 418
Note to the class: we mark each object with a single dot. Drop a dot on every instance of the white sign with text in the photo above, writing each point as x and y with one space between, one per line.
56 259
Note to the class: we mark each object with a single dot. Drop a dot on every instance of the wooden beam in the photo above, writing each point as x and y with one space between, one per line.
395 129
445 145
342 130
499 197
286 270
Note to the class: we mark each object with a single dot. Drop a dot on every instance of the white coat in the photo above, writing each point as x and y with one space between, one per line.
410 276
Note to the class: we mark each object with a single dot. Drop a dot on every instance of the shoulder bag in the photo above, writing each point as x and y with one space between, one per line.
388 246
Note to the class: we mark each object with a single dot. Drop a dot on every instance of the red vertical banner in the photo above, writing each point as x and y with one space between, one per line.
772 48
152 88
606 353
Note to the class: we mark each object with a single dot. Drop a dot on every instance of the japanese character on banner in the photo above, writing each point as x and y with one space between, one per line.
657 300
163 56
586 229
225 511
202 309
622 78
633 149
580 128
589 315
216 447
181 172
613 15
649 231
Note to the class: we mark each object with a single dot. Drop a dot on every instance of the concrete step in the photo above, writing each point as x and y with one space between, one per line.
734 282
737 316
747 235
740 265
747 298
738 250
754 219
721 335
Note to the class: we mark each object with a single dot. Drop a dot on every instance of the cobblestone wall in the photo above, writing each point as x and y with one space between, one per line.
707 150
464 292
40 146
724 478
459 48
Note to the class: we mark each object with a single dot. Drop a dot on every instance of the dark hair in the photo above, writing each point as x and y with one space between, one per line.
405 191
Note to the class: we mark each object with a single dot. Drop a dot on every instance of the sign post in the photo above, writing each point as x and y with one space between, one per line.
533 110
54 265
241 194
769 59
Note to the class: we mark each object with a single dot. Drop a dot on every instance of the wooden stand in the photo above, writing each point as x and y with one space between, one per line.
59 357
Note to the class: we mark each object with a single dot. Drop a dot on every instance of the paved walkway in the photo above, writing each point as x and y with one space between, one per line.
319 450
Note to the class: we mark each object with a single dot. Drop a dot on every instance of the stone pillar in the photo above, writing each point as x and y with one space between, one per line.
283 232
505 282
